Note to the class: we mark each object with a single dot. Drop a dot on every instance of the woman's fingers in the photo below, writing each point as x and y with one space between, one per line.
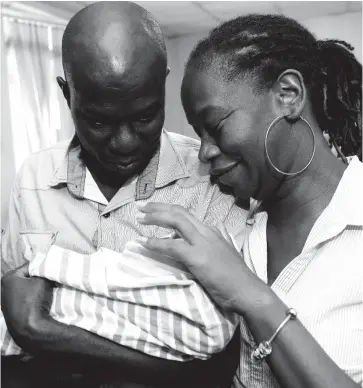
172 217
153 207
179 222
175 248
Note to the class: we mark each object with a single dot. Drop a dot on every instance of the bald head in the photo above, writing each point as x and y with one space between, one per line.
114 59
110 41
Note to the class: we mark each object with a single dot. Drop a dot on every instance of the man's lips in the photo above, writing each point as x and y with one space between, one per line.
218 171
123 162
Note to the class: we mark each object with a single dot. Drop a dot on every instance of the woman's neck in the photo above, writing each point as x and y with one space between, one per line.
305 196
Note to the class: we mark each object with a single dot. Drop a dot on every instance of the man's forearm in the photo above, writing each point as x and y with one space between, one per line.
25 305
49 337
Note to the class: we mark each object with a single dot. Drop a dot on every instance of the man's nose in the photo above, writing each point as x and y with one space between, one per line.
125 139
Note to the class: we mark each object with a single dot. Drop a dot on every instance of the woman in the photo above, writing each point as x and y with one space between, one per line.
261 92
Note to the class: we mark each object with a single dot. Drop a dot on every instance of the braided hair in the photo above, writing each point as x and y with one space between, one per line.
263 46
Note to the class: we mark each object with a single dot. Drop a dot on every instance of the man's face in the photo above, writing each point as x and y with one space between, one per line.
119 123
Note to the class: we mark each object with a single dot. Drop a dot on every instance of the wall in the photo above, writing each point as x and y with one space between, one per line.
178 51
346 27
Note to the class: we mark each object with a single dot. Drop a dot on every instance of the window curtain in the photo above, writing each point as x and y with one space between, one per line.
65 125
34 112
39 116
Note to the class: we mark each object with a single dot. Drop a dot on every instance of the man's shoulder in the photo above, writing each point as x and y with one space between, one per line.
39 167
183 141
184 144
188 148
55 151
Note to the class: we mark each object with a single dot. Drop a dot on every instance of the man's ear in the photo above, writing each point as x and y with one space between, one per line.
167 71
290 93
65 90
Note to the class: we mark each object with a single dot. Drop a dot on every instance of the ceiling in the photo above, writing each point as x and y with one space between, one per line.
184 17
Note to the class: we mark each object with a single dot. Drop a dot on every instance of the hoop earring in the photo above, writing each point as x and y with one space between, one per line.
268 156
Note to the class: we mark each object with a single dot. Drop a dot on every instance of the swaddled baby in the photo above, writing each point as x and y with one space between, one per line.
136 298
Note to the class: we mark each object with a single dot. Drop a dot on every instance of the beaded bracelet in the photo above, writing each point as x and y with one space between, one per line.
264 348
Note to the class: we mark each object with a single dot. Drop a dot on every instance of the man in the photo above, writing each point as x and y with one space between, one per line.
84 192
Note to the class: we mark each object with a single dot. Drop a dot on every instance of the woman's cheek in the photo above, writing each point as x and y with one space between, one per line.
232 144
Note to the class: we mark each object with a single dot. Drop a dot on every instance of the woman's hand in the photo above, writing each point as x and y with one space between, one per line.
203 250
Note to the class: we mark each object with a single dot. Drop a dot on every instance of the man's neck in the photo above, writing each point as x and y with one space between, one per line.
110 182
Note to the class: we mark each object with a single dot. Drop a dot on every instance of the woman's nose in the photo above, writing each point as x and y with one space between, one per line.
208 151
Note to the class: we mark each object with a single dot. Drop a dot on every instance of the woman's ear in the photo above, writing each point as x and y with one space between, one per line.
290 93
65 90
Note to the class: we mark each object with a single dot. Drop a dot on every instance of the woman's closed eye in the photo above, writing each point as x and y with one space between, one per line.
214 130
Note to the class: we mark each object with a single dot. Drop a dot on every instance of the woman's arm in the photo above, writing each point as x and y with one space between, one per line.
297 360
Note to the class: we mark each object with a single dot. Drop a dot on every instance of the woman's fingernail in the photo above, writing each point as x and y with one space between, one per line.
142 239
140 205
140 217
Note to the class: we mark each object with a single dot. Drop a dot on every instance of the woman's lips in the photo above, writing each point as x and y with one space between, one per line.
218 172
223 175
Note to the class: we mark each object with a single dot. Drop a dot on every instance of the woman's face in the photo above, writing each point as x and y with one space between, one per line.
231 119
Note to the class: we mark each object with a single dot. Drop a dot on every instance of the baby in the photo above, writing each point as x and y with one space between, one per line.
136 298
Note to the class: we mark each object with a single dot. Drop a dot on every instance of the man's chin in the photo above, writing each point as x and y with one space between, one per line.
113 174
122 172
122 169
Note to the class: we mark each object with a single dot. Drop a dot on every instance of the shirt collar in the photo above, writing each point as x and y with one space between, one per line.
166 166
345 208
92 191
346 205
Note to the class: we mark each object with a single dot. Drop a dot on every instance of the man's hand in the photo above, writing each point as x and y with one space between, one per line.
24 301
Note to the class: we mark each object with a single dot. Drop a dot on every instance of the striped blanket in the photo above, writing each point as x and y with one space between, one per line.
136 298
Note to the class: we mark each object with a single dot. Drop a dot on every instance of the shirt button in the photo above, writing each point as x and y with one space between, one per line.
106 215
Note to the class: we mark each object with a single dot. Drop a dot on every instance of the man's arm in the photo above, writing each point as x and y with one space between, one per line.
25 309
25 304
73 343
11 254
